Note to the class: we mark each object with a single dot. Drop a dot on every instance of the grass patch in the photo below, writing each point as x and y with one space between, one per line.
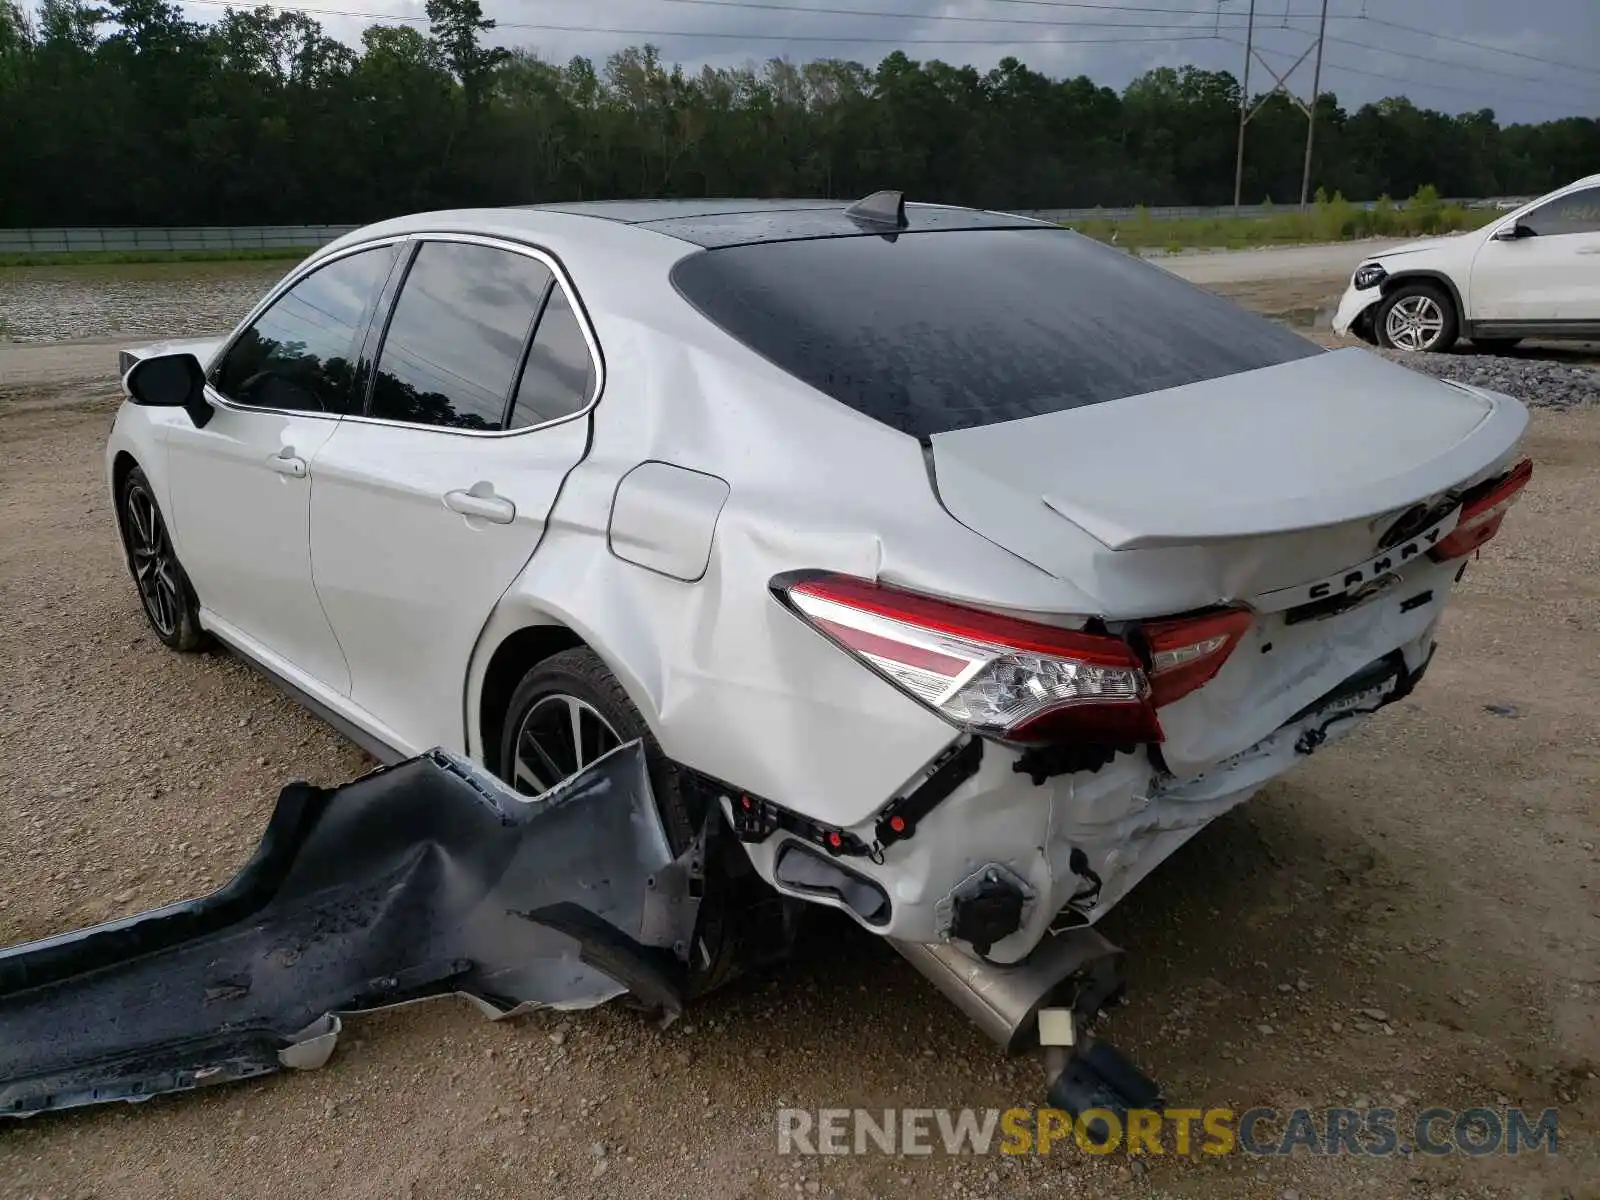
87 258
1330 219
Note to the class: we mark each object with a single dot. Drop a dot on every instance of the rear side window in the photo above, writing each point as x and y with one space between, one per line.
558 376
933 332
454 343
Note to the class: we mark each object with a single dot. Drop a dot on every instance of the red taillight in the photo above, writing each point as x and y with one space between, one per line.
1481 514
1000 676
1186 653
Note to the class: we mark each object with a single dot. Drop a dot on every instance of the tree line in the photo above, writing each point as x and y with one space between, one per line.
129 114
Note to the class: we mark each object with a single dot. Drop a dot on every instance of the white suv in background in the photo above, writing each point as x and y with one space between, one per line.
1533 273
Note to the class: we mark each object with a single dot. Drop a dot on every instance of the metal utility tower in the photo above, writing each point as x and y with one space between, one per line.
1280 84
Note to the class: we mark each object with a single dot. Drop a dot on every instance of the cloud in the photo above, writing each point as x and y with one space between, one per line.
1111 41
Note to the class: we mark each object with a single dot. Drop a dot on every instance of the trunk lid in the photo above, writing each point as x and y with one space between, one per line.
1309 491
1255 481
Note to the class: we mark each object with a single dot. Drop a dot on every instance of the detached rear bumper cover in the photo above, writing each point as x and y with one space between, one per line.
422 879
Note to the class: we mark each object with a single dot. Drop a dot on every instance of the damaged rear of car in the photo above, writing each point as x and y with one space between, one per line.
1226 544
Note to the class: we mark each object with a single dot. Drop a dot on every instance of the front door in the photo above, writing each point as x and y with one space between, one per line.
241 487
424 510
1551 274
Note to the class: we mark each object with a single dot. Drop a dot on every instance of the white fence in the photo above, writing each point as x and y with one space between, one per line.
243 237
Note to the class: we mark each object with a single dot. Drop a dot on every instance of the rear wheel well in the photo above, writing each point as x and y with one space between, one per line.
512 659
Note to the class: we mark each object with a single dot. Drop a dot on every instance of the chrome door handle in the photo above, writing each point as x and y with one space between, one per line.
480 501
287 462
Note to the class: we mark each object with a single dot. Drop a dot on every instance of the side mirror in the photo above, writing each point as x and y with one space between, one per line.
1512 232
171 381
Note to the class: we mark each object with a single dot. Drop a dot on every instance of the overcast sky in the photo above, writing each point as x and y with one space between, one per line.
1111 41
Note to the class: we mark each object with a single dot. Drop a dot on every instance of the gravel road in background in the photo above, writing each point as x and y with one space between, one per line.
1329 259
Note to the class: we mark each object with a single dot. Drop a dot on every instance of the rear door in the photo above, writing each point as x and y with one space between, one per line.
1552 275
240 488
429 503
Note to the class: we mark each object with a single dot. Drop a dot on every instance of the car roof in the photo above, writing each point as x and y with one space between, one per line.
713 223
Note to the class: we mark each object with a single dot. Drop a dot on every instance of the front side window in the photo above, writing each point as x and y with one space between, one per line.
455 341
1576 212
300 354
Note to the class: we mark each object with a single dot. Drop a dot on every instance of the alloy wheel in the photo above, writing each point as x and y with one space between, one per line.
1414 322
155 570
560 736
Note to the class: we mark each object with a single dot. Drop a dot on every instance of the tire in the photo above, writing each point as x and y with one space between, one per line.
578 680
165 593
1496 345
1417 317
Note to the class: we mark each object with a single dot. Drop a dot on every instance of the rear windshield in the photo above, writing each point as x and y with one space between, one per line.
932 332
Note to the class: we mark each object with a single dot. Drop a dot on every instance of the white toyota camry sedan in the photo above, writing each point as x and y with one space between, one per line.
961 566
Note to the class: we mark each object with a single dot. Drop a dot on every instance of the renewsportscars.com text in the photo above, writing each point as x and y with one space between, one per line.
1373 1132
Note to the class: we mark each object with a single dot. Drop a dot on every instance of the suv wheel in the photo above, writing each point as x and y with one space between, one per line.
1417 317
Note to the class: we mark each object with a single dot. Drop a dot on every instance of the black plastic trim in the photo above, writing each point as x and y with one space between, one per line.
1537 329
375 746
958 763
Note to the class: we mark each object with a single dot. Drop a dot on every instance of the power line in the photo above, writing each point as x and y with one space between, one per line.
1154 38
1485 47
1285 16
806 9
1119 8
1413 82
1451 62
1073 5
1450 37
931 17
739 36
920 16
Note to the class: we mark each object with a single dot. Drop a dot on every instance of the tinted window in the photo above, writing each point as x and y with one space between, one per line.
929 332
301 353
456 337
1576 212
558 378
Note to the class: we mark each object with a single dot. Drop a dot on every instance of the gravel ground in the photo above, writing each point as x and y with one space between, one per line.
149 300
1537 382
1439 865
